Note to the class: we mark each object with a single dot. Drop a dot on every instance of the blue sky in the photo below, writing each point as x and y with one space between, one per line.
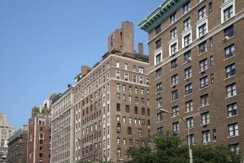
43 44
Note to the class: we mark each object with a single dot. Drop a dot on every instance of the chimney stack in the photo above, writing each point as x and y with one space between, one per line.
140 48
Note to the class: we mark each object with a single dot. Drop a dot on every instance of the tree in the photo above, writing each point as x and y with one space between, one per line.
169 148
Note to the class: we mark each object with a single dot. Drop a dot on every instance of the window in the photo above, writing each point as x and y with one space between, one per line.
158 43
174 64
206 137
158 29
211 60
117 75
173 34
187 57
187 23
158 73
118 107
126 77
127 108
187 40
158 58
229 51
129 131
232 109
188 73
234 147
176 126
229 32
141 70
228 13
160 130
192 140
188 89
175 95
186 7
118 86
118 152
159 102
160 116
124 141
189 106
174 79
231 90
190 122
230 70
134 68
117 64
203 47
204 82
134 77
175 111
204 100
143 111
210 7
135 110
136 90
140 79
126 66
233 129
173 18
202 30
159 87
173 48
203 65
201 13
205 118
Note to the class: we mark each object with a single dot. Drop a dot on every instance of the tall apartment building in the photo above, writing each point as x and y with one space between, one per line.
112 101
17 146
196 70
62 127
6 131
39 136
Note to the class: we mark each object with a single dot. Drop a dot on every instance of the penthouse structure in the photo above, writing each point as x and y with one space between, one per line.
17 146
39 135
112 101
62 127
196 70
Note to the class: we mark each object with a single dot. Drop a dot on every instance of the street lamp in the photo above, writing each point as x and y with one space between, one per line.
188 134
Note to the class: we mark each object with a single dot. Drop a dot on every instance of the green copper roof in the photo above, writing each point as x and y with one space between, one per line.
160 14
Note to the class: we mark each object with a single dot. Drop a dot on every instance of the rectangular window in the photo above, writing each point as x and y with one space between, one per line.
206 137
174 79
173 18
234 148
187 56
126 66
188 89
173 34
229 32
189 106
134 77
192 140
205 118
159 102
176 126
126 77
230 70
190 122
201 13
158 73
173 48
186 7
129 131
228 13
134 68
159 87
187 23
158 29
117 64
188 73
158 43
127 108
117 75
175 95
202 30
187 40
175 111
204 100
229 51
141 70
202 47
160 116
233 129
118 107
158 58
160 130
204 82
232 109
203 65
231 90
174 64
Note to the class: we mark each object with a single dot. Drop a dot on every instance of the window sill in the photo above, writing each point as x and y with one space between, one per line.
230 96
201 107
229 137
233 76
232 116
232 56
203 88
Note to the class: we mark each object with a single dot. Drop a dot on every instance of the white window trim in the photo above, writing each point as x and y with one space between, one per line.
171 43
156 53
225 6
199 23
184 34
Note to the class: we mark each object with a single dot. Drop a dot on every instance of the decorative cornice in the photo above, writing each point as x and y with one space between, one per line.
160 14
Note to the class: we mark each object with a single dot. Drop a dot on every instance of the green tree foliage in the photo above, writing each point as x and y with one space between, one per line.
169 148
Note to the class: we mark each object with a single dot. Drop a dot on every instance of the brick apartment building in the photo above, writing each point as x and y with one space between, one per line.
62 127
39 136
196 70
112 101
17 146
